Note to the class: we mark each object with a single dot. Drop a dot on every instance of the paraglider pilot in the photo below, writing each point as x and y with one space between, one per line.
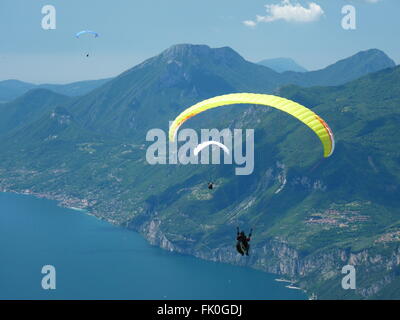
242 245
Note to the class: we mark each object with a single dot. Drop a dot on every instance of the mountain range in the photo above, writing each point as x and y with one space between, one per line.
311 215
11 89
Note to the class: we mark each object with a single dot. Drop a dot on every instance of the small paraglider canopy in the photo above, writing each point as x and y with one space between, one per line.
205 144
86 32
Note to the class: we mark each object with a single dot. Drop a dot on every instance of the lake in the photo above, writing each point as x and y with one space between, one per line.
96 260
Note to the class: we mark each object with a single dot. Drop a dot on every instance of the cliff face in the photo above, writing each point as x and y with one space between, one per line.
293 252
309 271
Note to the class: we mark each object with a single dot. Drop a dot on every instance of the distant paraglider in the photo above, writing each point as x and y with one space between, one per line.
204 145
89 33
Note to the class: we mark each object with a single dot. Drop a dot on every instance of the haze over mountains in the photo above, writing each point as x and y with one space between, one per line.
11 89
184 74
282 64
340 72
311 215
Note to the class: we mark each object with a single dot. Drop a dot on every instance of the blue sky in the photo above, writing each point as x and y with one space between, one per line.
134 30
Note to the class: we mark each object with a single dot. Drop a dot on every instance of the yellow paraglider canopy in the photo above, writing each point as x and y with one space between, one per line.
305 115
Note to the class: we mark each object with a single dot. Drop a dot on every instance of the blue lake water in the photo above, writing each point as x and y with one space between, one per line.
96 260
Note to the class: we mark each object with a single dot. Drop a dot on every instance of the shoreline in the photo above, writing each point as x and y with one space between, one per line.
292 286
77 209
61 203
283 280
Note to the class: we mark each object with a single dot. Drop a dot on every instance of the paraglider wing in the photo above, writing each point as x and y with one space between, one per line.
205 144
86 32
305 115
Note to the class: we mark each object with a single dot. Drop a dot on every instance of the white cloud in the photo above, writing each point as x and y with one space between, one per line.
249 23
289 12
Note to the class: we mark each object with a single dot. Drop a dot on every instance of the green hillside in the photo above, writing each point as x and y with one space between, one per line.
311 215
